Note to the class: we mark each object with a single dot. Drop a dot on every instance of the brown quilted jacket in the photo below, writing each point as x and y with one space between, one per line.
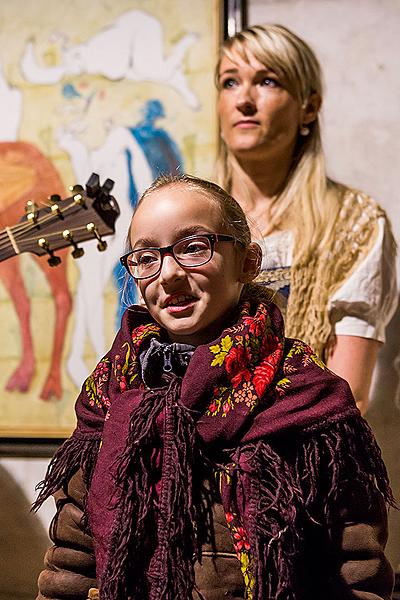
346 562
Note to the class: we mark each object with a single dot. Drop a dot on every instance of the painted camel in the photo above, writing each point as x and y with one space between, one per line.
26 174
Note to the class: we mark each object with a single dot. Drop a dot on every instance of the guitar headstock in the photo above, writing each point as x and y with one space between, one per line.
85 215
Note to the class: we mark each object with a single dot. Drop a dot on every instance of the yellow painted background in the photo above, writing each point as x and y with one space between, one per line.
24 414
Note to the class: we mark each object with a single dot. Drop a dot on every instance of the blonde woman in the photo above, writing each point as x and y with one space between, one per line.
328 248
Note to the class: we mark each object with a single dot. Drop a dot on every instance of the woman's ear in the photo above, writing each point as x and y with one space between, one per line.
310 109
251 263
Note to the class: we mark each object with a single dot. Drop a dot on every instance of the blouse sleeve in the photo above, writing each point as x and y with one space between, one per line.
367 300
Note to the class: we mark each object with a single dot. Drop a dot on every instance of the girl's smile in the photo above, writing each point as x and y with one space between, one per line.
179 302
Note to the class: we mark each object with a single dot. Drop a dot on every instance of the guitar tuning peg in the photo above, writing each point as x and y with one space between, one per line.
53 260
75 188
31 211
55 209
77 252
79 199
55 198
102 245
92 185
107 186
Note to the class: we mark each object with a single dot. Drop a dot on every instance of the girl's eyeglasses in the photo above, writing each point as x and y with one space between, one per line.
191 251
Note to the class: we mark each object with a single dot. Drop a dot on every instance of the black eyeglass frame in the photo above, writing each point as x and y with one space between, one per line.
212 238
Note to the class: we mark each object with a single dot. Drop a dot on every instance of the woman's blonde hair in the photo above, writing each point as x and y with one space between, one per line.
309 202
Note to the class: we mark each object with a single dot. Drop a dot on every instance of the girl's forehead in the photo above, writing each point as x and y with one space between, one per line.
178 198
176 207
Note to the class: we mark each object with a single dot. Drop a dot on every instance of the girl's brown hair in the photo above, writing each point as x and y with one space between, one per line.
234 220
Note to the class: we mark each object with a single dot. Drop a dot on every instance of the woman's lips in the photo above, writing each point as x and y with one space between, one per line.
247 124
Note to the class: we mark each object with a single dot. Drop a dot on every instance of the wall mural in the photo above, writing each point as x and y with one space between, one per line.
121 89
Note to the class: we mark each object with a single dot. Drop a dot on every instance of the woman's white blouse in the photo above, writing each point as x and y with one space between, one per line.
366 301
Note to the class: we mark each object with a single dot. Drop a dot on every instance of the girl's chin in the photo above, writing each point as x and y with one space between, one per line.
192 335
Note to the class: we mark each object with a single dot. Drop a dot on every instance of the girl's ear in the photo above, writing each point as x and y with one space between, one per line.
251 264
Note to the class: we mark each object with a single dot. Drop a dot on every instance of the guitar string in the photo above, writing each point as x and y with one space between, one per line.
23 226
52 237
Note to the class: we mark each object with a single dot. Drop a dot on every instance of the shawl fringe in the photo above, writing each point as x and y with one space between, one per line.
280 495
184 506
275 502
348 451
78 452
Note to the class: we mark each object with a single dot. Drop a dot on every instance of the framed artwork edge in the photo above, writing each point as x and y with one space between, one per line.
29 447
33 442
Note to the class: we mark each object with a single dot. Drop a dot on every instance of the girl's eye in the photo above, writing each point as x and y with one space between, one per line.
146 259
194 247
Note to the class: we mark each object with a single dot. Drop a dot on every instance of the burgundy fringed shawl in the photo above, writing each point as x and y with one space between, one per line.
145 453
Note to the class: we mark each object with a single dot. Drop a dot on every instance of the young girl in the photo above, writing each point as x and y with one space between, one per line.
213 458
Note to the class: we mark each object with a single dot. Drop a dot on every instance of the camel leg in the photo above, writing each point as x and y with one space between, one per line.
57 279
11 276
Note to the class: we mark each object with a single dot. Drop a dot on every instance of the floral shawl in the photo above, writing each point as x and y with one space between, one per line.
146 453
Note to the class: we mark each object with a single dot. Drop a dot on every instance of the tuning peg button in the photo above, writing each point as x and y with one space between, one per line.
78 199
53 260
102 244
77 252
75 188
31 211
55 209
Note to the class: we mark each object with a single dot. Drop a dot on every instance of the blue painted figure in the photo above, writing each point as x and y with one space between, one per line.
164 157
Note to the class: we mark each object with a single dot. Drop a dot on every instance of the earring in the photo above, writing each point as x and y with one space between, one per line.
304 130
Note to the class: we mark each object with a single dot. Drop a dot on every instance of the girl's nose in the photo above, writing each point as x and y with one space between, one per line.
170 270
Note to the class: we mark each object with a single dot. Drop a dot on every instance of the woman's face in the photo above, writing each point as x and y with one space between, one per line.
258 115
191 303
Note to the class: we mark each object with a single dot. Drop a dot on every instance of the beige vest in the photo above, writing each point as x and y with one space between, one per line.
314 282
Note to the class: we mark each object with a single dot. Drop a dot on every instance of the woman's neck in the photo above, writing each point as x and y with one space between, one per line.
263 178
255 185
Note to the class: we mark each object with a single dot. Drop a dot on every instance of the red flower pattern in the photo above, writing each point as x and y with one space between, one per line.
235 359
251 362
241 542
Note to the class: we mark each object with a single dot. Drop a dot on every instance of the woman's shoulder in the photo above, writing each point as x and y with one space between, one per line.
359 220
352 199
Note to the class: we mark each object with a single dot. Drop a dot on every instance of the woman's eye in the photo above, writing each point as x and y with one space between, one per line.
228 83
269 82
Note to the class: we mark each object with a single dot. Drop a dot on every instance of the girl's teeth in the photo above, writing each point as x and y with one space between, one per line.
179 300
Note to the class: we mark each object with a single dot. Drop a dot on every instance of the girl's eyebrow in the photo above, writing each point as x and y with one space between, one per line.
179 234
144 243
